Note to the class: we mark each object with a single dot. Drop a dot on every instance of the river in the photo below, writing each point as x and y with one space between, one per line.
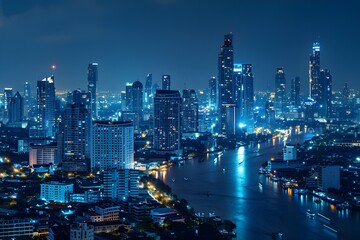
229 187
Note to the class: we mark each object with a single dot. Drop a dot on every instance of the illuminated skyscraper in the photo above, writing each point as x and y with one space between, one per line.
46 107
148 93
295 91
167 109
324 104
112 145
166 82
137 98
92 80
76 127
314 72
280 91
16 109
27 100
226 87
248 83
190 109
128 96
213 96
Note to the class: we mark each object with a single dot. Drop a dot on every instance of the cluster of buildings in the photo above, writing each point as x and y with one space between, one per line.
93 132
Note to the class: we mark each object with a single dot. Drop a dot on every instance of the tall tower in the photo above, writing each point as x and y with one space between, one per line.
112 145
167 109
92 80
137 98
16 108
190 109
325 105
27 100
77 126
148 95
213 96
280 91
226 86
295 91
128 96
314 72
248 85
166 81
46 107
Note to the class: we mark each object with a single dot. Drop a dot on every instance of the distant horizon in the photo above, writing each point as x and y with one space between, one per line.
182 38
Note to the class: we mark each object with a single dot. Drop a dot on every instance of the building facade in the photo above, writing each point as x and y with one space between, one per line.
56 191
92 79
112 145
167 110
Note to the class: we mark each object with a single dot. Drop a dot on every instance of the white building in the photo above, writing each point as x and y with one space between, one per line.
112 145
81 231
56 191
290 153
43 154
329 177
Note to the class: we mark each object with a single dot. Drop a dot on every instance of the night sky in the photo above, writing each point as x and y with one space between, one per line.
130 38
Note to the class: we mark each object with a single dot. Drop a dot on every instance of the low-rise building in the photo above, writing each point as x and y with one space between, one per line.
16 228
56 191
81 231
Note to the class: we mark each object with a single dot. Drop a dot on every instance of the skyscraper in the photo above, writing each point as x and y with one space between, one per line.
248 85
137 98
92 80
128 96
27 100
226 86
190 110
166 81
314 72
16 109
280 91
46 107
167 109
76 127
346 95
213 93
295 91
8 94
82 97
325 105
120 184
112 145
148 93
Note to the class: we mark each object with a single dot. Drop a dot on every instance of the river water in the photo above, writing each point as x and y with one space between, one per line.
229 187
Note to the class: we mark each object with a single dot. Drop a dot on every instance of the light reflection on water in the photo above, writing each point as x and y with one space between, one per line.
230 188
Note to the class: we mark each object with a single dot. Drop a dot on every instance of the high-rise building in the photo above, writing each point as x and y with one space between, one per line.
314 72
8 94
16 109
248 85
92 81
137 98
148 93
270 111
112 145
213 96
280 92
120 184
43 154
128 96
82 97
190 108
329 177
324 102
165 81
46 107
346 95
76 128
167 109
27 100
226 86
295 91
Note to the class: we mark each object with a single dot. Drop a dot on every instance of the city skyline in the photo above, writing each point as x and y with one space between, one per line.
127 48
